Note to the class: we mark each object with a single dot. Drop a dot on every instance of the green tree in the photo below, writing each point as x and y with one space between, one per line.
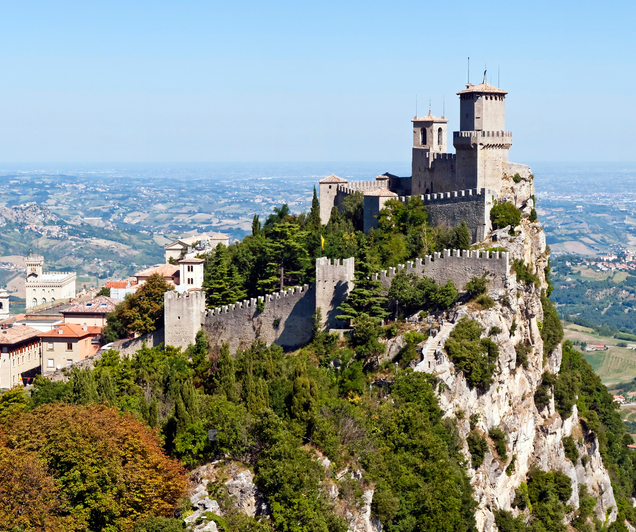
304 398
13 401
366 296
222 282
140 312
313 220
226 374
103 291
505 214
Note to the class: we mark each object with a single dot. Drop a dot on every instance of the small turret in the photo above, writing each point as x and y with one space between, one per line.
328 188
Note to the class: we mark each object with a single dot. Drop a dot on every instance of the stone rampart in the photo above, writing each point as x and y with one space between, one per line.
354 186
182 317
333 284
286 320
459 266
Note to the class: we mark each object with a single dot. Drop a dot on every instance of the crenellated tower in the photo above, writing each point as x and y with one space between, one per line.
482 143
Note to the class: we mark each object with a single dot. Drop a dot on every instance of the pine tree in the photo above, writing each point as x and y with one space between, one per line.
84 387
222 283
304 395
367 296
153 413
461 237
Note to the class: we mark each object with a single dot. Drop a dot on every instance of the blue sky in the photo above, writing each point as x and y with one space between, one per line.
306 81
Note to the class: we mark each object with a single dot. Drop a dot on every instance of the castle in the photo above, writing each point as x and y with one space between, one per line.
453 187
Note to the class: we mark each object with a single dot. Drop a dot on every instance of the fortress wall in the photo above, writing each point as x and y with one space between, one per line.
434 172
452 208
286 320
182 317
459 266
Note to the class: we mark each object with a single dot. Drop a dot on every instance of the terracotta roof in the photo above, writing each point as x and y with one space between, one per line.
97 305
71 330
191 261
482 87
167 270
430 118
120 284
333 179
382 177
381 192
19 333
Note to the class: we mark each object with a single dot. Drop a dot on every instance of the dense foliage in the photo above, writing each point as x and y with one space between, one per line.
505 214
471 354
141 312
87 467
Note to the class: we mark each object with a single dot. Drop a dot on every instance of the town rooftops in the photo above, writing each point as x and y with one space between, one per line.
120 284
430 118
191 240
71 330
56 276
333 179
165 270
97 305
19 333
482 87
191 261
381 192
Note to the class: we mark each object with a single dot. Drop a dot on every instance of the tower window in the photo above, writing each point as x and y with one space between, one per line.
439 136
422 136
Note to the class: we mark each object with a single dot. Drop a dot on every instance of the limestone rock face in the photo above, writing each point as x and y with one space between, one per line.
534 436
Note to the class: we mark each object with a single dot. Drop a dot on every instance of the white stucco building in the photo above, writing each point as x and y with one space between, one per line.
46 287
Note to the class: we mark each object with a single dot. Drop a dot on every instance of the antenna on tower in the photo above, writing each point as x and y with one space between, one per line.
485 70
468 75
429 106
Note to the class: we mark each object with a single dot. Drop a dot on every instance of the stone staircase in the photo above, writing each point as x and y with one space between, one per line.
432 355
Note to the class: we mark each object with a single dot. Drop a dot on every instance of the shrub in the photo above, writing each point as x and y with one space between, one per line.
510 469
516 178
446 296
542 394
476 287
507 523
505 214
533 215
498 437
486 302
494 331
471 354
571 452
523 273
621 344
473 420
552 330
478 447
522 351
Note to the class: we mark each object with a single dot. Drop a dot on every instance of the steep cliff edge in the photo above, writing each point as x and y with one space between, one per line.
533 434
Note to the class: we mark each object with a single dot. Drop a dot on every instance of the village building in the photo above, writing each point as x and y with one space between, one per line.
92 313
191 274
170 272
120 289
19 355
43 288
68 344
199 243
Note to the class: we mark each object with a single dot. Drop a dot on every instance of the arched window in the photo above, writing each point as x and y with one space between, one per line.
423 136
44 301
1 305
439 136
34 302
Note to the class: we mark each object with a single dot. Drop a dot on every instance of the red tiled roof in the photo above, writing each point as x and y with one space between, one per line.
19 333
71 330
333 179
97 305
191 261
166 270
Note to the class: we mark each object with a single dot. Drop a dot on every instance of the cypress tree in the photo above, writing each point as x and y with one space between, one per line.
153 413
313 220
226 374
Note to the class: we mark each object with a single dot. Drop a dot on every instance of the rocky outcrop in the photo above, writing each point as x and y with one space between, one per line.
30 214
534 436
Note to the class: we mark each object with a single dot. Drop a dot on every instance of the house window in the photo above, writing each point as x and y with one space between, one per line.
422 136
69 362
190 280
44 301
49 346
190 269
34 302
69 346
50 363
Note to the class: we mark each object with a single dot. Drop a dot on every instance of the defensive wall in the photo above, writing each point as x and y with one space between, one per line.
452 208
459 266
286 318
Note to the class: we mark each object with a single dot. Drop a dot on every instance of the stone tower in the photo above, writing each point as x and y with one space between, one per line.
482 143
429 144
34 265
328 188
4 304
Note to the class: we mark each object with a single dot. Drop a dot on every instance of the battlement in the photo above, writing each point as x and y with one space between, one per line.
457 196
433 156
197 295
459 266
488 134
350 188
251 304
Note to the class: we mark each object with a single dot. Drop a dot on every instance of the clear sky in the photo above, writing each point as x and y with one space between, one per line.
307 81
